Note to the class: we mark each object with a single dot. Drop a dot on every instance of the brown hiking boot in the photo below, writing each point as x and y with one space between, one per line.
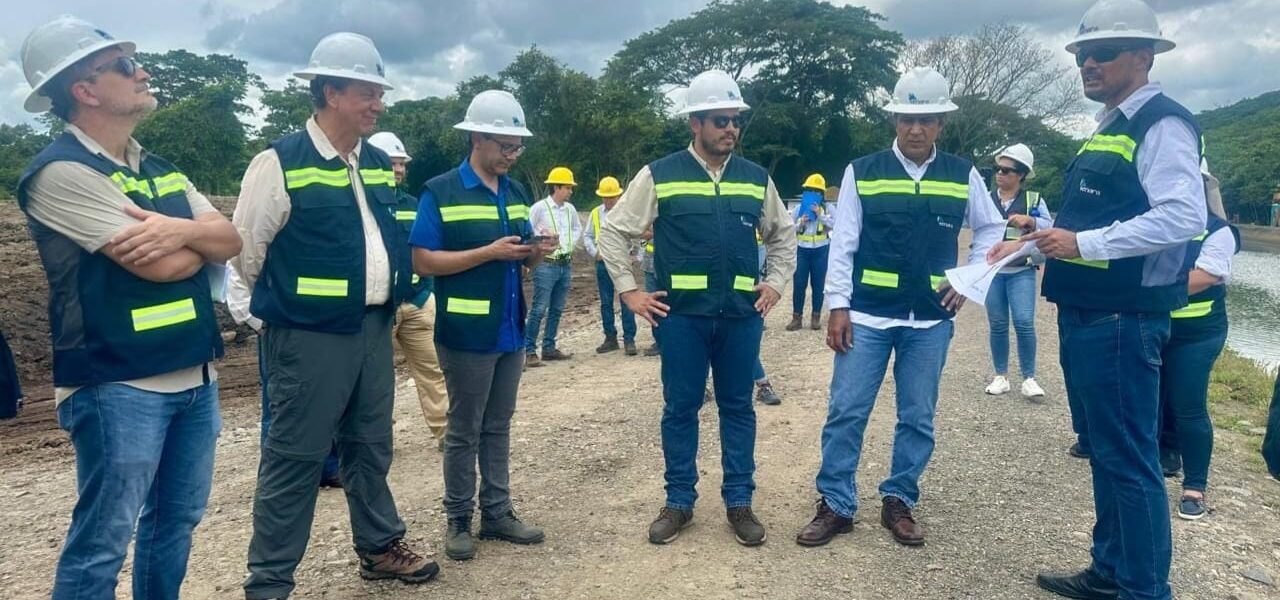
666 528
556 354
747 529
824 527
398 562
815 321
531 360
610 344
897 518
652 350
796 322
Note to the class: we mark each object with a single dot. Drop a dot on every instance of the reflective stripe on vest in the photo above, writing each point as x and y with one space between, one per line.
329 288
406 215
907 186
1095 264
378 177
170 184
467 306
937 280
708 189
1201 237
595 223
880 278
688 282
164 185
1123 145
817 237
300 178
163 315
1193 310
517 211
742 283
469 212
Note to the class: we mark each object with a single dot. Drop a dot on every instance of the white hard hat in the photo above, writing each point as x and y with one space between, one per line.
1120 19
921 91
496 112
346 55
1022 154
53 47
389 143
712 90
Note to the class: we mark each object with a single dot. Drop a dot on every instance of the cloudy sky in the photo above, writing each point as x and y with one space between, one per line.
1227 49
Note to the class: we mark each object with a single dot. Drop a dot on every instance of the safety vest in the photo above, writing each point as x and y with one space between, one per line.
106 323
705 249
1205 312
1024 203
820 231
909 236
470 305
314 274
1102 187
406 213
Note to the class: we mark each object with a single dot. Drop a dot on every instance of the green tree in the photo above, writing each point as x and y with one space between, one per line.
18 145
178 75
1242 146
285 111
204 136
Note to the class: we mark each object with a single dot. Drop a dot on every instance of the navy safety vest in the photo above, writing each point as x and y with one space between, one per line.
704 238
470 305
910 234
1205 312
406 213
1102 187
106 323
313 277
1023 204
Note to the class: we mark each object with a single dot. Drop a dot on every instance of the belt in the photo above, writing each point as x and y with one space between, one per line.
560 259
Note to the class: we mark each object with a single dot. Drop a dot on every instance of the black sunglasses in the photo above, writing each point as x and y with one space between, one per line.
124 65
509 150
722 122
1007 170
1101 54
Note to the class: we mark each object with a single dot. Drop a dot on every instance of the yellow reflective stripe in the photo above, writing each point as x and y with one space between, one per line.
163 315
1096 264
649 247
1200 238
518 211
415 279
880 278
595 223
331 288
1012 233
468 212
1193 310
128 184
945 188
742 283
467 306
817 237
378 177
937 280
886 186
300 178
1123 145
742 189
170 184
688 282
406 215
684 188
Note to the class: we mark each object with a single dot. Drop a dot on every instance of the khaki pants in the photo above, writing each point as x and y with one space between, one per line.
414 333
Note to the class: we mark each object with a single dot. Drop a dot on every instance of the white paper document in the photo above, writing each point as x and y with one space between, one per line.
973 281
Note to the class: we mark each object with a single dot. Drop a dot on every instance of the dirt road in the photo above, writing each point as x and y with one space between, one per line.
1002 500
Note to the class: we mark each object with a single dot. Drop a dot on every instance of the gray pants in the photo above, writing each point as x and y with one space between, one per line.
323 386
482 397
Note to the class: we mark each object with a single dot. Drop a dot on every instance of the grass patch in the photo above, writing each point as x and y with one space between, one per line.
1239 395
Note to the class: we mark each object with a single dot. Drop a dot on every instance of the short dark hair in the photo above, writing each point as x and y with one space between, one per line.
59 88
317 88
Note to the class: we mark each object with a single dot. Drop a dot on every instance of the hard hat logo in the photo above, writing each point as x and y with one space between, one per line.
102 34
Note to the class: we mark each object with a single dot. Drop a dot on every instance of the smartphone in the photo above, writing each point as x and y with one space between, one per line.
534 240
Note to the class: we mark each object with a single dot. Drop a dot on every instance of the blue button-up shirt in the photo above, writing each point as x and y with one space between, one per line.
428 232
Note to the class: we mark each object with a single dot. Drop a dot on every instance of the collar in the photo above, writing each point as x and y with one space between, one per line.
471 180
910 164
1132 104
551 203
706 167
133 152
325 147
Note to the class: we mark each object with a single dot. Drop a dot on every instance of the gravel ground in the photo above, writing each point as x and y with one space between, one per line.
1002 500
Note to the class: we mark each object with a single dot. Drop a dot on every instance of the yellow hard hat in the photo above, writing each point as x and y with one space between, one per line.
561 176
816 182
609 188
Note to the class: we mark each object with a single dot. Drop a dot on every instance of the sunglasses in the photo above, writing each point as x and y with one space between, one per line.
1007 170
722 122
1101 54
507 150
912 121
124 65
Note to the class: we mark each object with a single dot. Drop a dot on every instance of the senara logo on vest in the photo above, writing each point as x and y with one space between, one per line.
1085 189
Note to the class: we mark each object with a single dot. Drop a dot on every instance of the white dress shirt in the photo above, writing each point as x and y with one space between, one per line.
981 216
560 220
1216 253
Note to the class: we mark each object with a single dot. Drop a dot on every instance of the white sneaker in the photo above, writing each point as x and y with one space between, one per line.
1031 389
998 386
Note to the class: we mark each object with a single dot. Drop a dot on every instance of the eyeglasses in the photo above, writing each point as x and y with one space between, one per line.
507 150
1006 170
124 65
722 121
1100 54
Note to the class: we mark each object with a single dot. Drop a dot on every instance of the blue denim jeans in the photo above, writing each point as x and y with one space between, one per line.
919 355
811 271
1016 293
757 372
330 462
1186 429
144 459
1111 364
1271 442
691 346
550 288
607 296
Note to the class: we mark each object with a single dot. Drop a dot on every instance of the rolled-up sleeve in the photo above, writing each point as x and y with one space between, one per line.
778 232
1216 253
845 232
630 217
261 211
986 222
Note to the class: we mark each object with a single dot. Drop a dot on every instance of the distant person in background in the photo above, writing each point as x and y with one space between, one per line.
553 276
609 191
10 387
813 223
1014 288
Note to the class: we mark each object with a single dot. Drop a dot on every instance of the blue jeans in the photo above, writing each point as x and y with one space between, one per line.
757 372
1111 364
1271 442
330 462
1184 403
919 355
811 271
550 288
691 345
1016 293
607 295
144 459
